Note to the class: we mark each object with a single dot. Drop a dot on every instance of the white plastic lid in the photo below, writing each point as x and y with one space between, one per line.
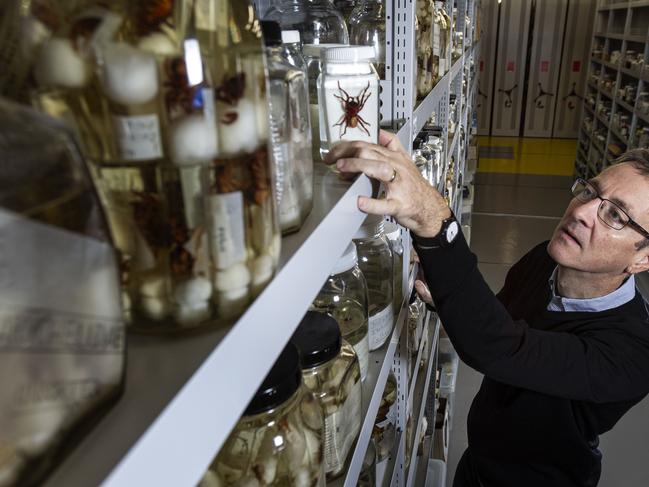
372 225
392 231
350 54
346 261
433 139
290 36
317 50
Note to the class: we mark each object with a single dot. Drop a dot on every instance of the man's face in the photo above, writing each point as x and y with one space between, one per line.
583 242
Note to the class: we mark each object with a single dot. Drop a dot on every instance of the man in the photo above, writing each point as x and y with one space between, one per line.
564 347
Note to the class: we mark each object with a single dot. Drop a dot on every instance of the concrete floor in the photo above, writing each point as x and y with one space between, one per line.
513 212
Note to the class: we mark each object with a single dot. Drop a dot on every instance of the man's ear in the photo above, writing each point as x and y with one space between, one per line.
641 263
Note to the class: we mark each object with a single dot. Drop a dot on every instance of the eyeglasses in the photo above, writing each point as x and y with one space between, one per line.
608 212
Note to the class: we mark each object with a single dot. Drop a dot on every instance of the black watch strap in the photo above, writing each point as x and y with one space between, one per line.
447 235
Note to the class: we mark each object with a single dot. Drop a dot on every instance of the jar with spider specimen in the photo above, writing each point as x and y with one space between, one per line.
63 339
348 95
314 57
385 427
367 28
278 440
344 297
290 133
331 372
169 101
375 261
318 21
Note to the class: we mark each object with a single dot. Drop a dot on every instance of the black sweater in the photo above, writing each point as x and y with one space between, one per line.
554 381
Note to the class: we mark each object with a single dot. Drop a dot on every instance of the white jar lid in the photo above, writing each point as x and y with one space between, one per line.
317 50
350 54
433 139
392 231
290 36
372 225
347 261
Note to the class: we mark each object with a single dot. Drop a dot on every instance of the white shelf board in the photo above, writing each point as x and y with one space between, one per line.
184 394
421 394
380 363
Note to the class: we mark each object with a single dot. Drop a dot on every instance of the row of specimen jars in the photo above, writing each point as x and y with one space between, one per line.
433 40
338 22
170 105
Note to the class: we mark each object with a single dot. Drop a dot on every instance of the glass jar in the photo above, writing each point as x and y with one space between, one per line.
643 102
331 372
422 162
375 261
344 297
314 57
171 109
441 38
348 95
643 141
416 314
434 144
278 440
393 234
427 68
62 338
345 7
367 28
317 20
385 427
290 132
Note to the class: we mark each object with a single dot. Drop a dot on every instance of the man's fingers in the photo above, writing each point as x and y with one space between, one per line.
356 148
390 141
380 170
423 291
377 207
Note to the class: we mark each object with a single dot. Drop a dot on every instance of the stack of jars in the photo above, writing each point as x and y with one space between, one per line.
171 111
367 28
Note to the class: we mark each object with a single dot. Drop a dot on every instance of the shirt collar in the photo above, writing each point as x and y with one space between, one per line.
623 294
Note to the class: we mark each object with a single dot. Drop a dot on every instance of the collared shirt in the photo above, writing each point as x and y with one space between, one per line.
623 294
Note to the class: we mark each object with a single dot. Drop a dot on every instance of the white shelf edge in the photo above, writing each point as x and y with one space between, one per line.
451 149
200 417
365 434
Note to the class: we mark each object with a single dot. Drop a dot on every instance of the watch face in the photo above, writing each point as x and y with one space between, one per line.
452 231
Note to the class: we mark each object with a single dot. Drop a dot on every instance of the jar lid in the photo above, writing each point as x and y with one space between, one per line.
280 383
350 54
272 32
317 50
290 36
372 225
317 338
392 230
346 261
433 139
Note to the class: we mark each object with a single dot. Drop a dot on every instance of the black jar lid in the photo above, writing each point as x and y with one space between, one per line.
272 33
317 338
280 384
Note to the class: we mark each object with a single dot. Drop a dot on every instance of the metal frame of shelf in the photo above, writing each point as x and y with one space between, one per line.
184 395
604 16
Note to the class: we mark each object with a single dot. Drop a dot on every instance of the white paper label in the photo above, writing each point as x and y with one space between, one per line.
362 350
227 234
380 326
436 42
138 137
341 429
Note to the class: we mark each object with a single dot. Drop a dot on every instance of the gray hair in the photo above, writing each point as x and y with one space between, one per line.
639 159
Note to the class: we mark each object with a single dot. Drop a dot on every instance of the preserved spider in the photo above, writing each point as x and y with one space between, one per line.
352 107
152 13
231 89
180 93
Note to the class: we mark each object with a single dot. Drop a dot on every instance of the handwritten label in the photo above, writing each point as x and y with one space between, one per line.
138 137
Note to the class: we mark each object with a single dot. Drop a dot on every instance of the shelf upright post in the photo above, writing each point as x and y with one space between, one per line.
404 62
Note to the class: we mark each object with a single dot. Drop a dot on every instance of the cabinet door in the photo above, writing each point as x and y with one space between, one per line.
510 67
574 68
545 64
486 67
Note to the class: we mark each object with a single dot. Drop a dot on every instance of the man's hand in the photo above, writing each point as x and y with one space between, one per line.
410 199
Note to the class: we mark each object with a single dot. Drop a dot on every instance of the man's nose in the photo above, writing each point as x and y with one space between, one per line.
586 213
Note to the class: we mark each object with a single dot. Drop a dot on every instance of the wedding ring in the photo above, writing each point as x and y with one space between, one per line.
394 175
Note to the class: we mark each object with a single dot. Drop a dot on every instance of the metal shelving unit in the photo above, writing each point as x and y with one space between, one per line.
619 26
184 395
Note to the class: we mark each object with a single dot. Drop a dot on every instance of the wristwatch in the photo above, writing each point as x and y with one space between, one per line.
445 238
